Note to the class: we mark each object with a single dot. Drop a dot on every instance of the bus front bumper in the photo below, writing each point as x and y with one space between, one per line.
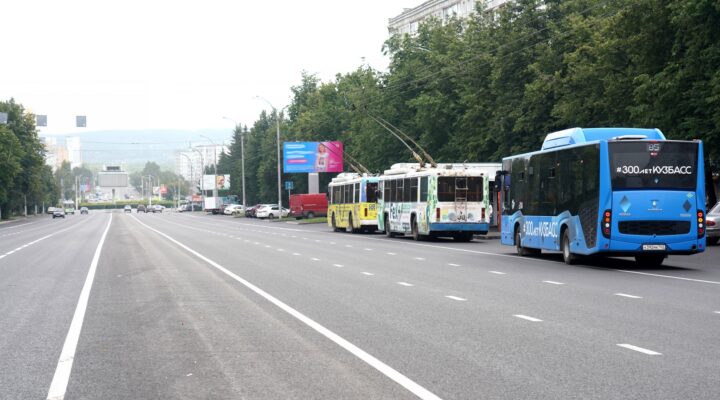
480 228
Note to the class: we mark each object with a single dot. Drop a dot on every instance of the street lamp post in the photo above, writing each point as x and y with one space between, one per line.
202 174
242 159
191 178
279 177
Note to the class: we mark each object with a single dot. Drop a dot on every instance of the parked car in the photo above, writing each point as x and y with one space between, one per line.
50 210
250 212
141 208
308 205
157 208
58 213
271 211
230 209
712 225
84 210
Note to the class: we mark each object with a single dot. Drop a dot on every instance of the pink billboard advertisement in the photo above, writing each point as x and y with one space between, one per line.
305 157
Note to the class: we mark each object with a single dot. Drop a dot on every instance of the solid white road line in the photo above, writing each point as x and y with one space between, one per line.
554 282
383 368
667 276
640 349
630 296
405 284
497 272
456 298
371 274
527 318
67 355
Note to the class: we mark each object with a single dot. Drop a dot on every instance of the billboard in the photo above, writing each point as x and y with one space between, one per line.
113 179
312 157
210 182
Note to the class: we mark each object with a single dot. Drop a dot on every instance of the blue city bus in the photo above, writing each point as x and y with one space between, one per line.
609 191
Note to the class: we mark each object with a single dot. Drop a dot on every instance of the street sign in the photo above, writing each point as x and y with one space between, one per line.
289 185
81 121
41 120
3 118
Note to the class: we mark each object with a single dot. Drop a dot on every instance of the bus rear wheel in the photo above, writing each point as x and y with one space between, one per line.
388 233
521 251
568 256
351 228
415 232
334 225
649 260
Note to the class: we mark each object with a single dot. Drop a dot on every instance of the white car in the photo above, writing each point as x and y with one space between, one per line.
271 211
233 208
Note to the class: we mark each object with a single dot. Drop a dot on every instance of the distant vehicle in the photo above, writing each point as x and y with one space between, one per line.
308 205
84 210
252 211
128 209
214 204
157 208
58 213
230 209
713 225
69 207
50 210
141 208
353 203
612 191
271 212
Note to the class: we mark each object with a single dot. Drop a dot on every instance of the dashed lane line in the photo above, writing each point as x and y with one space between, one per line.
371 274
629 296
497 272
405 284
527 318
453 265
640 349
456 298
554 282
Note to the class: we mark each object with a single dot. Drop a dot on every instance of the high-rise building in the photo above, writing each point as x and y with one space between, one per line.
409 20
74 151
189 163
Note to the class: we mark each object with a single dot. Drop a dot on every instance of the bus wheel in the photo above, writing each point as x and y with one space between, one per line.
649 260
568 256
521 251
388 233
415 232
350 228
334 225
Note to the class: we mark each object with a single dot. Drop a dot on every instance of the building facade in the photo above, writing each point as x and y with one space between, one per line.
411 18
190 163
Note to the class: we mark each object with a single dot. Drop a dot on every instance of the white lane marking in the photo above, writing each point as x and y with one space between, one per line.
453 265
315 259
296 254
332 243
554 282
368 249
371 274
497 272
640 349
456 298
630 296
59 383
525 317
391 254
279 249
267 246
405 284
37 240
3 256
667 276
383 368
348 245
419 258
338 265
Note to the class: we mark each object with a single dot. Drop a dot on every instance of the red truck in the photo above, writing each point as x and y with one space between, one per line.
308 205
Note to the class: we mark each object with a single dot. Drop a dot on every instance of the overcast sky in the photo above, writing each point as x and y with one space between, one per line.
178 64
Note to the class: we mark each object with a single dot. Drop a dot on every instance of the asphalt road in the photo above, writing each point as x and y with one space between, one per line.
197 306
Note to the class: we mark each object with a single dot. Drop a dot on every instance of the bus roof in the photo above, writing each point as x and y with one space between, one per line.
573 136
487 169
346 177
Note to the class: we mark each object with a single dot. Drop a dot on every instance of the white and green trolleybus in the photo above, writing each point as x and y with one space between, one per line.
448 200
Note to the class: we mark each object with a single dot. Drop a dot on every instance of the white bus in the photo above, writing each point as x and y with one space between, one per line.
451 200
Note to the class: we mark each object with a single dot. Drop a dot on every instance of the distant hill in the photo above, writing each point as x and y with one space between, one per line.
135 148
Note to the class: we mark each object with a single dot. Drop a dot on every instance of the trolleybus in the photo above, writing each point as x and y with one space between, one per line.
451 200
353 203
610 191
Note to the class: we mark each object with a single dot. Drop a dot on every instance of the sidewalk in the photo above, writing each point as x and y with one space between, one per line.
17 219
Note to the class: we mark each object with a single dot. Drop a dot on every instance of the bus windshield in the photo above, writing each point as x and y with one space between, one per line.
653 165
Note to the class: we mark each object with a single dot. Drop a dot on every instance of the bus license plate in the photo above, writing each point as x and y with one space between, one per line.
653 247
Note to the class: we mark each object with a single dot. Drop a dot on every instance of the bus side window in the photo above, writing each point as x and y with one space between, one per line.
423 188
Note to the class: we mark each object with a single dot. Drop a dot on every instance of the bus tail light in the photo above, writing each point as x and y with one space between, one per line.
701 224
437 214
366 212
482 214
606 223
